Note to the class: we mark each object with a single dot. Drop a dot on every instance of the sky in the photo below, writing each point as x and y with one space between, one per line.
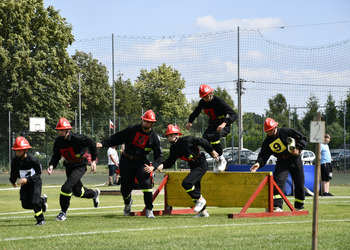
305 23
296 23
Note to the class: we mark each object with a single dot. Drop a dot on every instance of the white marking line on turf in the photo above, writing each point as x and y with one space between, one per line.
163 228
70 209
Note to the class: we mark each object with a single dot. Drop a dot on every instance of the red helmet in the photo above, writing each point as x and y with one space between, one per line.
270 124
63 123
171 129
204 90
149 115
21 143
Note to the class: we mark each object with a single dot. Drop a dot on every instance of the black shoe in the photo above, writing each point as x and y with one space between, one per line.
327 194
45 206
96 199
110 184
40 223
299 208
127 208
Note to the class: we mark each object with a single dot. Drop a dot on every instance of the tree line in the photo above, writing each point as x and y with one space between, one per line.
40 79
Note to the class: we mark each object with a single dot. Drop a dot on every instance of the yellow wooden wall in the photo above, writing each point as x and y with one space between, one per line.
227 189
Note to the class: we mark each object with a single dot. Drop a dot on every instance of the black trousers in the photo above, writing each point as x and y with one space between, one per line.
296 169
30 196
192 182
214 137
73 185
129 169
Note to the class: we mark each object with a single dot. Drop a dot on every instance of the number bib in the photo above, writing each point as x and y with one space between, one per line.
277 146
26 173
68 153
210 113
140 140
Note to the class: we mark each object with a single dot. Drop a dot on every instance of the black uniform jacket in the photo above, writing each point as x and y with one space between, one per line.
186 148
217 110
71 148
277 145
28 167
137 143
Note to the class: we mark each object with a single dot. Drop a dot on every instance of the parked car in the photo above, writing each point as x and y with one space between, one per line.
337 156
232 157
307 157
252 158
184 165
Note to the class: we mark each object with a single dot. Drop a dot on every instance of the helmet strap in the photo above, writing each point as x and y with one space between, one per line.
66 135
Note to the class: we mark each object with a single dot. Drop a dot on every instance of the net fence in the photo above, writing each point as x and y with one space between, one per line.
221 59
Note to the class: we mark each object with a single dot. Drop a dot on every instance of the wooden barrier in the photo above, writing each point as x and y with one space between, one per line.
228 189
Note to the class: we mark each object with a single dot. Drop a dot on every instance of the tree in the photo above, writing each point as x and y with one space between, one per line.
96 93
161 90
345 103
278 110
223 94
311 113
36 72
127 98
330 115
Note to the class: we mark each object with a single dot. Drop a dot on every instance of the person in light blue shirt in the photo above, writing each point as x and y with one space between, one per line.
326 166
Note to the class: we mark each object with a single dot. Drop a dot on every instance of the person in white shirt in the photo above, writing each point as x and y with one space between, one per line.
113 165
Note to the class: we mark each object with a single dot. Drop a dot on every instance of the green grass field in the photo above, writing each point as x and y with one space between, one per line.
106 227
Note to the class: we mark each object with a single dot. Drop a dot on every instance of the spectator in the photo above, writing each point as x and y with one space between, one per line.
113 166
326 166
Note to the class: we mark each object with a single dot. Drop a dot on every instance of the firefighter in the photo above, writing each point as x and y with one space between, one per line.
221 116
186 148
72 147
286 144
28 169
139 140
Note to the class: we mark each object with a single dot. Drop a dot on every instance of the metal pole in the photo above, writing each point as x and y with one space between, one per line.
316 191
239 92
79 105
344 113
76 121
288 115
113 83
10 140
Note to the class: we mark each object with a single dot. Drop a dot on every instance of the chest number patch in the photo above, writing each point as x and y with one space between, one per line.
277 146
140 140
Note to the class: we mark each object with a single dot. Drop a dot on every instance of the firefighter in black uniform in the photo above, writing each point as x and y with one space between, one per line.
286 144
186 148
221 116
72 147
28 169
139 140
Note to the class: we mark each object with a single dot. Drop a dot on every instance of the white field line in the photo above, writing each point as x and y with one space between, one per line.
165 228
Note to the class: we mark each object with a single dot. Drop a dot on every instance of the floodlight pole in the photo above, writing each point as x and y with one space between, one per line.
10 140
113 83
239 93
79 105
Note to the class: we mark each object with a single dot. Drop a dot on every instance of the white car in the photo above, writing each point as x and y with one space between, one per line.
252 158
307 157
